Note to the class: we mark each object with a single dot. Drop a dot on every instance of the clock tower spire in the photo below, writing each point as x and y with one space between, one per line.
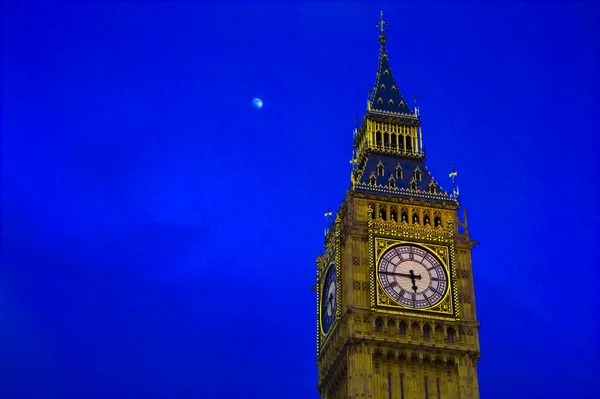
395 297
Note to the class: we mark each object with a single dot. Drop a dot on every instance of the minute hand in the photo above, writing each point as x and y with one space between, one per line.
412 275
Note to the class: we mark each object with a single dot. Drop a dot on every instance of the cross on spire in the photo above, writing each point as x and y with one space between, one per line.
382 25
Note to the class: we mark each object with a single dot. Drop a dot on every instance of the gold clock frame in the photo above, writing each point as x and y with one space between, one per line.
331 256
444 252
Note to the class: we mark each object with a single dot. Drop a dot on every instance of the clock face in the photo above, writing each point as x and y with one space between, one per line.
328 299
412 276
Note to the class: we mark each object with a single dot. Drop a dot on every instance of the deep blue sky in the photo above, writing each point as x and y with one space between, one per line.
159 233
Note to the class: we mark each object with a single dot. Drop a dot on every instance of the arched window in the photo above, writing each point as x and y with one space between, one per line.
418 175
378 139
432 187
404 216
408 143
378 325
425 219
415 218
373 215
426 331
437 221
372 180
391 182
398 172
393 141
393 215
402 328
386 139
380 169
401 142
382 214
413 185
451 335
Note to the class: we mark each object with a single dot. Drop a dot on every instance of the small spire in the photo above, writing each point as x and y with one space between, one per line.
415 98
385 95
327 220
452 175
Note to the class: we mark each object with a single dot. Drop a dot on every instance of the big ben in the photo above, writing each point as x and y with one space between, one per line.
396 314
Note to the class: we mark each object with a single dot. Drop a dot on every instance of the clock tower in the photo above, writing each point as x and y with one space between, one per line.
396 312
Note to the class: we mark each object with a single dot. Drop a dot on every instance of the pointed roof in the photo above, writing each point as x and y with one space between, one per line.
386 95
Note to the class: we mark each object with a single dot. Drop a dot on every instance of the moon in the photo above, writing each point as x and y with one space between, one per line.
257 102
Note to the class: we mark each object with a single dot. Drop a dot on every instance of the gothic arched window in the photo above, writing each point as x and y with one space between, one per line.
415 218
418 175
404 216
402 328
380 169
378 325
451 335
391 182
426 331
382 214
398 172
408 143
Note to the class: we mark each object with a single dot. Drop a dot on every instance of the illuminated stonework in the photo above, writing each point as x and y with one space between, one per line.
405 323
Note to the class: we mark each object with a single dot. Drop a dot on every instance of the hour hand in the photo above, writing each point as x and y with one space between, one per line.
414 286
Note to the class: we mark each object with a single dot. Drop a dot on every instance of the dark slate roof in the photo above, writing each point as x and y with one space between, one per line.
408 166
386 94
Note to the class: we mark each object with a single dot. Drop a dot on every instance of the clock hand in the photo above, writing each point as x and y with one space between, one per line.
413 277
329 302
396 274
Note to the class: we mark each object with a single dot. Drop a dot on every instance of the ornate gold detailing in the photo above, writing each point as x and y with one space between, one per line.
418 198
332 255
413 231
401 136
380 244
406 191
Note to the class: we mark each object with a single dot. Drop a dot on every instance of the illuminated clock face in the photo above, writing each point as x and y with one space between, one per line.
412 276
328 299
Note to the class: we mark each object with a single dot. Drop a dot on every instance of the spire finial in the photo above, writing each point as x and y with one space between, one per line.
415 98
453 174
383 27
328 214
